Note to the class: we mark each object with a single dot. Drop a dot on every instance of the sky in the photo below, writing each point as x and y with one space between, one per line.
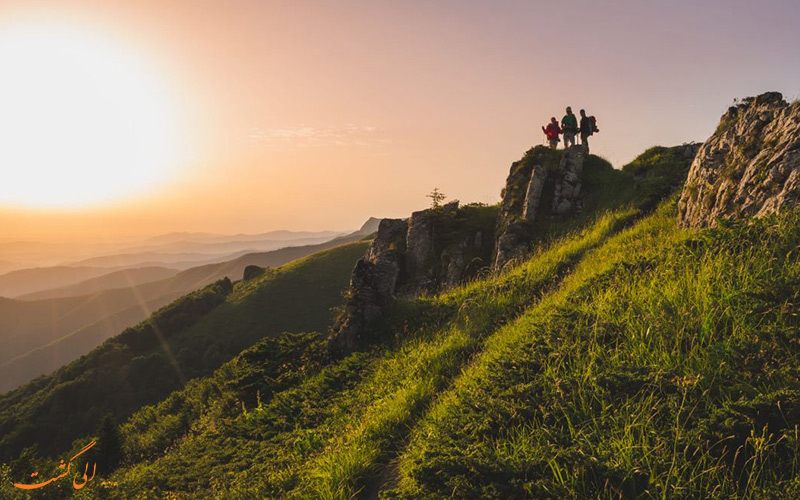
253 115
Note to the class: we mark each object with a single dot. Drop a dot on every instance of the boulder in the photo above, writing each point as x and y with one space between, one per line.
252 271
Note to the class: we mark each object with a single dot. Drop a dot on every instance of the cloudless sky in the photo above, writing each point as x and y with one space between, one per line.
312 114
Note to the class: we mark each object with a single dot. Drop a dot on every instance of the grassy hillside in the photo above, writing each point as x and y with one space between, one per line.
644 362
283 435
186 339
626 358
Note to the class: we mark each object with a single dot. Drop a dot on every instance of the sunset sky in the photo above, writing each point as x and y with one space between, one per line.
132 118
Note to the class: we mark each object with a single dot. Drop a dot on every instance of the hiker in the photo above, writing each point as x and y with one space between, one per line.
569 126
588 127
552 132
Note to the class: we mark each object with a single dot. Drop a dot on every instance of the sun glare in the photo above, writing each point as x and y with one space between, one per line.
82 121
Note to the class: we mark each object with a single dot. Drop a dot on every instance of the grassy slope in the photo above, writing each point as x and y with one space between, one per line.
666 366
125 373
485 379
337 420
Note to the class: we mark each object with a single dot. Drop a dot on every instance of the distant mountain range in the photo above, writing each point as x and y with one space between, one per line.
18 255
115 279
39 335
178 251
27 281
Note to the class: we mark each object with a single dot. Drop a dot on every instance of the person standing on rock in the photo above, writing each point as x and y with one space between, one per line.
569 125
552 132
587 129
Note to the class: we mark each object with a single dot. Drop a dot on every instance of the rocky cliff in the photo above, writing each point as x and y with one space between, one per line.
749 167
428 252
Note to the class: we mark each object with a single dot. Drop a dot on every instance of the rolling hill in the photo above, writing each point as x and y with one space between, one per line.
117 279
32 331
626 358
289 390
186 339
25 281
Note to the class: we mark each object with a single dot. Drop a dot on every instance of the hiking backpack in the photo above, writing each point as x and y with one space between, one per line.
593 123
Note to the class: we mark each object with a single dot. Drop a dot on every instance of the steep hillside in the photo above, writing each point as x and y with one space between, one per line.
189 338
326 430
284 419
53 332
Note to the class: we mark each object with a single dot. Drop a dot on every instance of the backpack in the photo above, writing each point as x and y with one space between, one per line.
593 123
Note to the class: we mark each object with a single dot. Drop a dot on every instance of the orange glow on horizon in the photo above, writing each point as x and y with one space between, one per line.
134 118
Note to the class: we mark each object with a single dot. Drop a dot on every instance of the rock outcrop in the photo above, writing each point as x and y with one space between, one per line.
749 167
567 193
432 250
252 271
372 286
540 172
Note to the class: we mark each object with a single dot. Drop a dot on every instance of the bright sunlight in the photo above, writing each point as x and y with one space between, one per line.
82 122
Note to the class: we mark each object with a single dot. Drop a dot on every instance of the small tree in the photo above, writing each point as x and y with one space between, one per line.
437 197
109 444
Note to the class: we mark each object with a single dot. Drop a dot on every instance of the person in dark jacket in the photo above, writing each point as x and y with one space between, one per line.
552 131
569 126
586 130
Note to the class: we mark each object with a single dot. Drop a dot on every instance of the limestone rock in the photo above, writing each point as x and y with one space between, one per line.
520 206
566 196
420 244
372 287
534 192
749 167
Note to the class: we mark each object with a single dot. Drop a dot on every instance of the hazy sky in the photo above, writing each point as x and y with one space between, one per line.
318 114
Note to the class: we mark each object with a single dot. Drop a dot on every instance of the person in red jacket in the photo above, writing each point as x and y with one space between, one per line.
552 131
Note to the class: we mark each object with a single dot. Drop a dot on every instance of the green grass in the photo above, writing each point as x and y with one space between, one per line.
624 361
187 339
664 367
626 358
329 431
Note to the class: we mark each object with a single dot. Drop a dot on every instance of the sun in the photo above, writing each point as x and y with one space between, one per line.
82 121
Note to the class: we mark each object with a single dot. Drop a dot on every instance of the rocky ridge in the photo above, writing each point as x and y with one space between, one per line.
439 248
